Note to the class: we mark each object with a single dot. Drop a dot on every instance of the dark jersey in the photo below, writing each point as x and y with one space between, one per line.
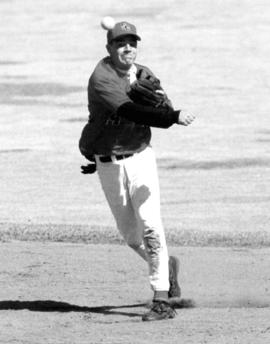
113 134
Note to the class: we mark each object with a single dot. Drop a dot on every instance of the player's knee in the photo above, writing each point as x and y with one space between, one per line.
152 241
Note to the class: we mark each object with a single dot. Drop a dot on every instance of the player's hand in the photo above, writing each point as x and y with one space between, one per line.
185 118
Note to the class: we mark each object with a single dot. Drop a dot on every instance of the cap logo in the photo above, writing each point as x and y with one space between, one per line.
125 27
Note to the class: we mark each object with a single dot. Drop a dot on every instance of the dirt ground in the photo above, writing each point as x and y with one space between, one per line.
78 293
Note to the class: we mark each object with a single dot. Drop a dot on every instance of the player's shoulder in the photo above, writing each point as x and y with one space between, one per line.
103 71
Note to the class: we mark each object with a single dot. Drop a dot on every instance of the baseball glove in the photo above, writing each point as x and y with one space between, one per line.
146 90
89 169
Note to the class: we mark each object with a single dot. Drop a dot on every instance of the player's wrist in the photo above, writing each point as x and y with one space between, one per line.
176 114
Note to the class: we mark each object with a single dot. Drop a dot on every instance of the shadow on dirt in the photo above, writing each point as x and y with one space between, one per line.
56 306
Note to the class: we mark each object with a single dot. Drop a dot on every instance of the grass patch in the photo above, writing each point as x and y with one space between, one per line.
59 233
177 237
226 164
109 235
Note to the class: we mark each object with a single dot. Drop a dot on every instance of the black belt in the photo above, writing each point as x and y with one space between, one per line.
117 157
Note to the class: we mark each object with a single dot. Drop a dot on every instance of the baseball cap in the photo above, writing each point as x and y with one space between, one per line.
122 29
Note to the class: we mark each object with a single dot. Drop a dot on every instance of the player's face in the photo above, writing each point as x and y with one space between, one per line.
123 51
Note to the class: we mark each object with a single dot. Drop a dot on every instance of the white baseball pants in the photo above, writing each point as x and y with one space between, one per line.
131 187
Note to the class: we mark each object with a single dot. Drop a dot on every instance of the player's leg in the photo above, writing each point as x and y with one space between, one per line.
144 191
113 181
146 199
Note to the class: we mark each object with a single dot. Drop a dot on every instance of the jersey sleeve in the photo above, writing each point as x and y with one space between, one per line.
148 115
108 91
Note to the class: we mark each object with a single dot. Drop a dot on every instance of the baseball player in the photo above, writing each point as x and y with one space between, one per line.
117 139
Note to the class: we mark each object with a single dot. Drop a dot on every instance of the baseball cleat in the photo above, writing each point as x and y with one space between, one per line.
160 310
175 290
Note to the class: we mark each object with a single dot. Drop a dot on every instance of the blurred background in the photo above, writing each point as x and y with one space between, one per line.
212 58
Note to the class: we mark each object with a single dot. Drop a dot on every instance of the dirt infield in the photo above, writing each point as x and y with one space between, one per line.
78 293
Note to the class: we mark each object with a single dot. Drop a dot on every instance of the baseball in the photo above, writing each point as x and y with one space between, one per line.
107 23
